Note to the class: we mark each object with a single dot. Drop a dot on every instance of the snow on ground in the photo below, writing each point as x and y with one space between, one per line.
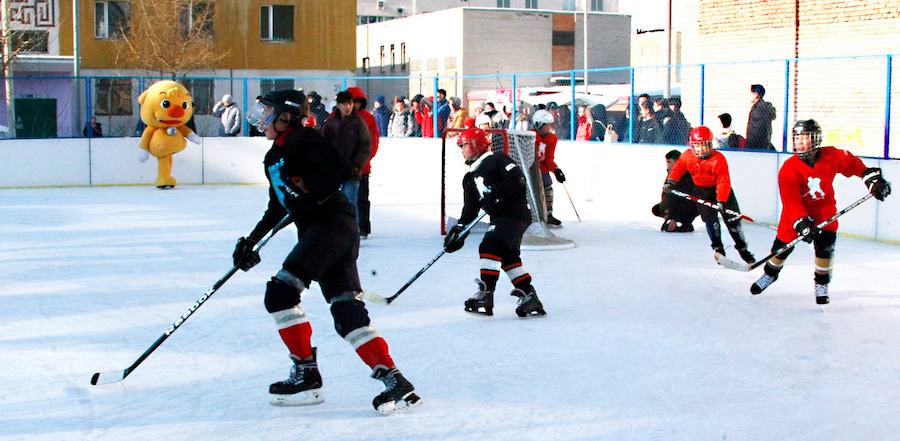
645 338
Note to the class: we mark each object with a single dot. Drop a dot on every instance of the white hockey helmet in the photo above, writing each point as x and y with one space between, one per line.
541 118
482 118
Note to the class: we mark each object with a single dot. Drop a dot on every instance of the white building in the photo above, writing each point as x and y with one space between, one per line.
373 11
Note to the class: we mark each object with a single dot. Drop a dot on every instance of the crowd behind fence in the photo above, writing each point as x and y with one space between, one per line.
851 97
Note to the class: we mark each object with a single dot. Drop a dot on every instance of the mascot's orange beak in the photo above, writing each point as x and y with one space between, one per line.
175 111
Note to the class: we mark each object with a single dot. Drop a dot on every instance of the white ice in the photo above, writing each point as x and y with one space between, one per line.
645 337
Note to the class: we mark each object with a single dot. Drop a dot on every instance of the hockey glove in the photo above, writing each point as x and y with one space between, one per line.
454 240
669 184
807 228
876 184
489 201
560 177
245 257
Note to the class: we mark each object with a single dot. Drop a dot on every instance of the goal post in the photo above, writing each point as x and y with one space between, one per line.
518 145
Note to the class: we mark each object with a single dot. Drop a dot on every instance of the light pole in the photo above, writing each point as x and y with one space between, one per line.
585 48
668 91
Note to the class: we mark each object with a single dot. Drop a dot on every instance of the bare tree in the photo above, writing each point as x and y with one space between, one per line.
170 36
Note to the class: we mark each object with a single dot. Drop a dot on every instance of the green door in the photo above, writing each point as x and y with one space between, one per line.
35 117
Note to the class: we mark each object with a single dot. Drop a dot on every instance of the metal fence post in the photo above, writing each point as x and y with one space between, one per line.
630 110
702 90
887 109
434 113
512 122
787 88
245 126
572 111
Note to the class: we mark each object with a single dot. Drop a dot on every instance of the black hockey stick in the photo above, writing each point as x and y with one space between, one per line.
734 214
116 376
376 298
742 266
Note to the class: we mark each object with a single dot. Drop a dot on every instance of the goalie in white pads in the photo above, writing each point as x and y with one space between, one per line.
494 183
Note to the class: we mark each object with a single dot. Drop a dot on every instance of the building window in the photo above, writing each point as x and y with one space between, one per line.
403 56
596 5
531 4
266 86
112 19
502 3
29 41
381 58
113 97
276 22
569 5
196 19
202 95
393 58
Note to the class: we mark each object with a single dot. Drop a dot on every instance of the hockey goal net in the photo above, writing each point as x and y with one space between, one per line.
518 145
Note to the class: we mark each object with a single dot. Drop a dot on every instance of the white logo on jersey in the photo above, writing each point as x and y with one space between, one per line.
510 166
815 188
542 150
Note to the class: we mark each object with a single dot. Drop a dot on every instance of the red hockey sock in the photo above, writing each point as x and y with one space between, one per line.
375 352
298 339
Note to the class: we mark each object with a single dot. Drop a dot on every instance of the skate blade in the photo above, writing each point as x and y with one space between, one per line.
540 313
305 398
408 401
487 312
824 300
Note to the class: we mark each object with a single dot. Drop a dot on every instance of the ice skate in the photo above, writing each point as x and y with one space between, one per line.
746 255
822 294
529 304
399 393
718 251
762 283
483 299
553 222
303 387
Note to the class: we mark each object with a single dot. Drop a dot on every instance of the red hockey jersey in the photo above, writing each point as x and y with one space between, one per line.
545 150
809 190
712 171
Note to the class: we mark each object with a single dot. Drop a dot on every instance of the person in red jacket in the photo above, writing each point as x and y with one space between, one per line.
712 182
806 184
363 206
545 148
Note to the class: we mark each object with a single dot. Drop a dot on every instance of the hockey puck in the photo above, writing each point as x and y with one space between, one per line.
374 273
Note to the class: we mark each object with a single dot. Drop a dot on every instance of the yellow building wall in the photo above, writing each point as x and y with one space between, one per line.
324 36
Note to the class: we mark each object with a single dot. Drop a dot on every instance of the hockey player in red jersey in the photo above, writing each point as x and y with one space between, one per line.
545 146
305 174
494 183
712 182
806 184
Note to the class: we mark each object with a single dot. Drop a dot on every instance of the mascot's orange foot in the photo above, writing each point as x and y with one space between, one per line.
165 183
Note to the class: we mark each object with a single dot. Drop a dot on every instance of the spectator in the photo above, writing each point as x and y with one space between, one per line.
230 116
442 107
140 126
317 108
649 129
563 120
498 118
363 206
583 128
382 115
600 122
92 128
727 138
677 129
400 124
254 131
458 115
348 133
678 213
523 118
426 117
415 123
759 124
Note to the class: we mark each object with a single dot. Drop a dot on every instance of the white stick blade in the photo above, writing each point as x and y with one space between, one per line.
730 264
372 297
107 377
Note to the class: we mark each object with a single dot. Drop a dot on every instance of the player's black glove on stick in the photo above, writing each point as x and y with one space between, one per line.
489 200
560 177
876 183
244 255
807 228
454 240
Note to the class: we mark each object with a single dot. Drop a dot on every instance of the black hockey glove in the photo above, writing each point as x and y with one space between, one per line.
244 255
876 184
560 177
489 200
454 240
806 227
668 184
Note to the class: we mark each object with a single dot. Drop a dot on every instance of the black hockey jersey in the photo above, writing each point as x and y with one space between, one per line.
305 174
499 176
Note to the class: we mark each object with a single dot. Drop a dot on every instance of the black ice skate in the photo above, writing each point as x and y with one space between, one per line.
717 251
483 299
529 304
822 294
762 283
303 386
553 222
746 255
399 393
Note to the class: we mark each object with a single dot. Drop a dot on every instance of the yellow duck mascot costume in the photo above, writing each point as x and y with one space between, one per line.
165 108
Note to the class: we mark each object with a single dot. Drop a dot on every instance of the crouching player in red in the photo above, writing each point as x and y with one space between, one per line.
806 184
495 184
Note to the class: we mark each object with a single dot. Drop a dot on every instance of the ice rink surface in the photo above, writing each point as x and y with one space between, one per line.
646 338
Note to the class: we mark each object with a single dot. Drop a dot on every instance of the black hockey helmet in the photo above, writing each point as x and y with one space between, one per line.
274 104
811 128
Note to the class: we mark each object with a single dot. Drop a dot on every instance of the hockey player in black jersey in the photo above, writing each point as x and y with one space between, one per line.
494 183
305 174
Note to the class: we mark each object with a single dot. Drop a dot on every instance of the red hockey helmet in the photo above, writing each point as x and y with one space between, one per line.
701 141
473 142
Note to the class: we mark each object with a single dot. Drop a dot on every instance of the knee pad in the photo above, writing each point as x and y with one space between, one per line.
824 244
348 315
283 291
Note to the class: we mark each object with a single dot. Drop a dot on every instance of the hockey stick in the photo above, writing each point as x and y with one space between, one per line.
376 298
116 376
734 214
570 200
742 266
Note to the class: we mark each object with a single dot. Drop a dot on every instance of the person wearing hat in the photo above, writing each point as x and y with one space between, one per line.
727 137
363 205
759 123
230 116
347 131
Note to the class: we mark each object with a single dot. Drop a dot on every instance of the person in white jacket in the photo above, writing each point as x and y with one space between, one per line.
230 115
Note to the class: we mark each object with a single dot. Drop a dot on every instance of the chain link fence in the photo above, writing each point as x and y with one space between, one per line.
853 98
